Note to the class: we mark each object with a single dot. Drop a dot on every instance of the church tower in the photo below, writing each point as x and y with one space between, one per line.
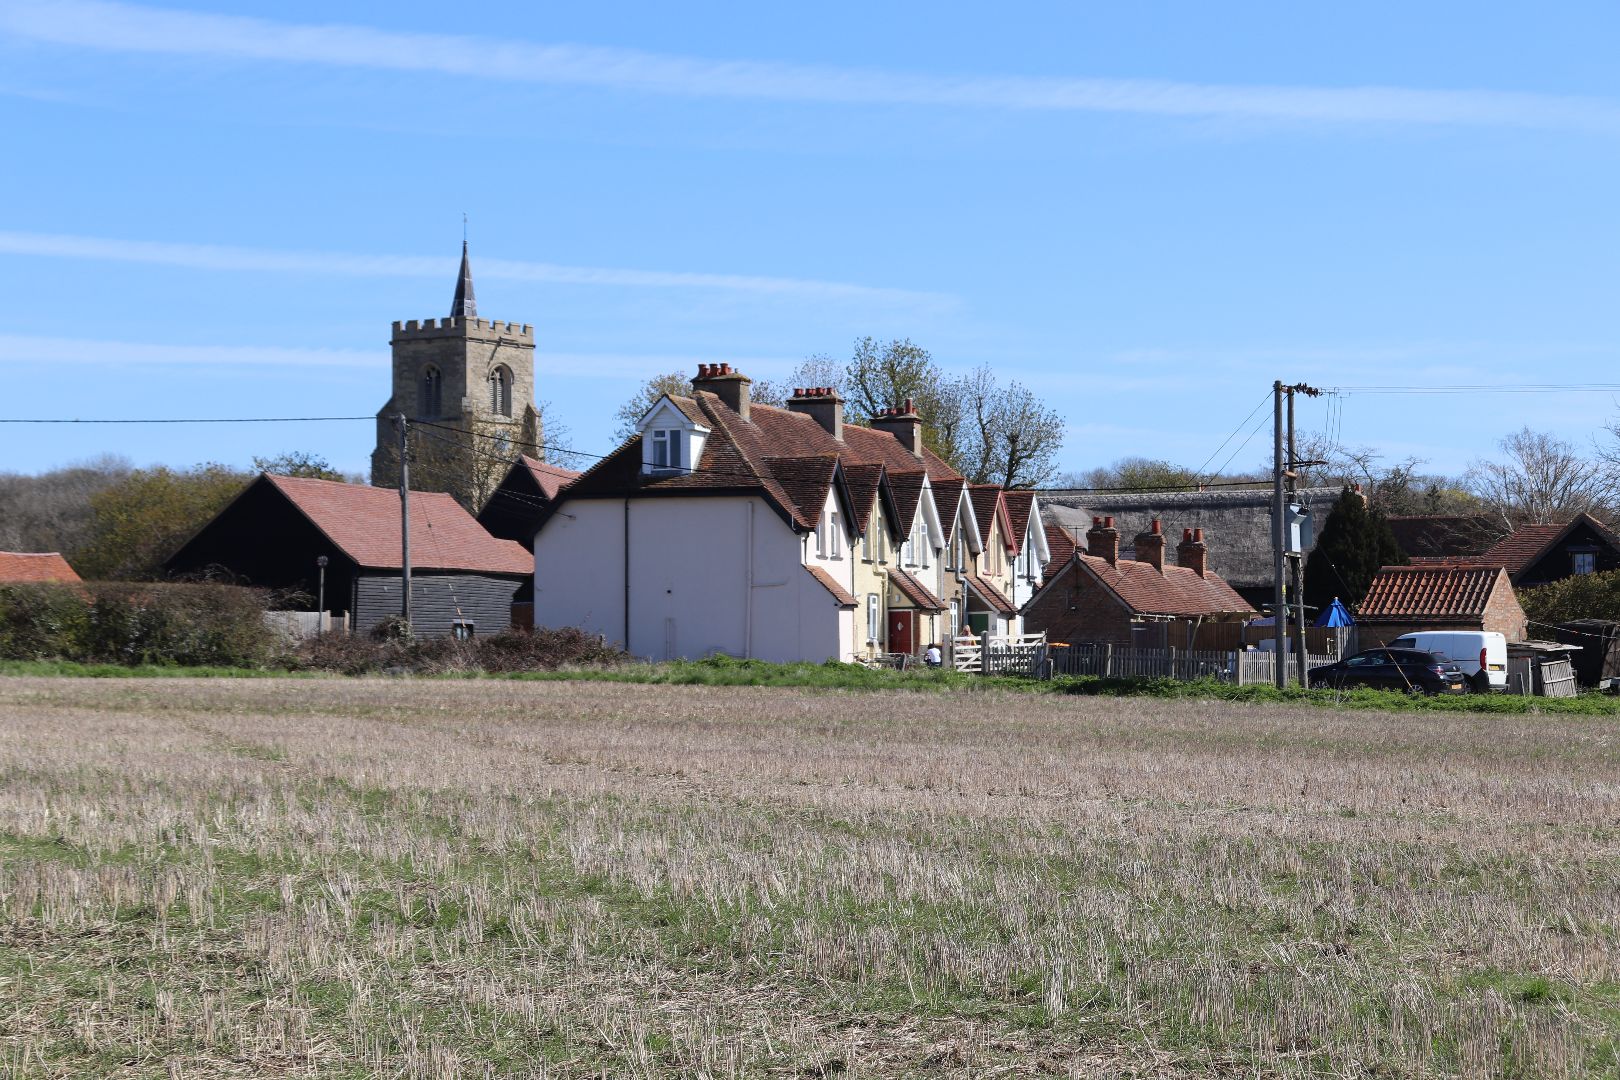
466 384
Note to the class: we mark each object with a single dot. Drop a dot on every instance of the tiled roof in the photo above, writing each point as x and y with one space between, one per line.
17 567
1176 591
551 478
1060 543
1524 546
828 582
783 455
915 591
987 506
1430 592
363 523
947 496
865 483
1019 505
990 594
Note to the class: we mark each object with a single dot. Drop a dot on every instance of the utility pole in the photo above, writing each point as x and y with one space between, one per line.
1296 559
404 518
1287 473
1279 608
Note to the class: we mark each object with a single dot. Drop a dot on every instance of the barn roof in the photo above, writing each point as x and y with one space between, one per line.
363 523
1240 519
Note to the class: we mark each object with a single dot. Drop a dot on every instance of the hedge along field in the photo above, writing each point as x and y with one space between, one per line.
463 878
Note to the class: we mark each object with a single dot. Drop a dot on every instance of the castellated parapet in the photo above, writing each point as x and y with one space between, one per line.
452 326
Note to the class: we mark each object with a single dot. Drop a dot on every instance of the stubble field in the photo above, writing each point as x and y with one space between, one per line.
461 879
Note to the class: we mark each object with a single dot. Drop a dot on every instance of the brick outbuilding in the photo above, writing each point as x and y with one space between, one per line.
1093 596
1405 599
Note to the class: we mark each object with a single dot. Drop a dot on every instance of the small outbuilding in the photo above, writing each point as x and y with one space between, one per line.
277 532
35 567
1406 599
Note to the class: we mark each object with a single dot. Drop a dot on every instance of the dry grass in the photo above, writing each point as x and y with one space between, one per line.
445 880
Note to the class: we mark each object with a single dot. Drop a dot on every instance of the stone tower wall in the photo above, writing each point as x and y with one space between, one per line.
465 351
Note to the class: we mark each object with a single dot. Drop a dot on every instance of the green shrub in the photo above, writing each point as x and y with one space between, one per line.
1584 596
41 622
188 625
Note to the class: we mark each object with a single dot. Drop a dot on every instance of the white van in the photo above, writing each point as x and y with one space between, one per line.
1480 655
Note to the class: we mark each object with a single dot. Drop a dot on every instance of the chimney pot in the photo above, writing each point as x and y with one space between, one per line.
1192 553
1150 546
1102 541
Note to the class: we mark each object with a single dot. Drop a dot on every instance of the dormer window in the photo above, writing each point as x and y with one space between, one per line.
670 441
666 448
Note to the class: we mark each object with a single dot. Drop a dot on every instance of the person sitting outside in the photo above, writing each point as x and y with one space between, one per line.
933 657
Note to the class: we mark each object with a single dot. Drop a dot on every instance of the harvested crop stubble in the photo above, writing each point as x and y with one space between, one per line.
448 879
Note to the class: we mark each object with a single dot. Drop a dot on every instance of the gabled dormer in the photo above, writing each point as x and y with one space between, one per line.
671 441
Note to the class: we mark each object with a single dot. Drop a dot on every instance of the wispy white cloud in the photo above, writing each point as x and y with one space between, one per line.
19 349
120 27
217 257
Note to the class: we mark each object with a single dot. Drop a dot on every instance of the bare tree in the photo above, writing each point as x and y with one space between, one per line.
1011 437
1393 487
1543 479
51 511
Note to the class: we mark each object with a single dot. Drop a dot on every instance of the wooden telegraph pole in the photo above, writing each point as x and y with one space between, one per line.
404 517
1288 588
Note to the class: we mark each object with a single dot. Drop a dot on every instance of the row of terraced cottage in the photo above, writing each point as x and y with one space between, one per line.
723 526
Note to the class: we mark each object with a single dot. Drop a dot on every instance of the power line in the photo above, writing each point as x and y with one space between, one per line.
194 420
1241 425
1482 388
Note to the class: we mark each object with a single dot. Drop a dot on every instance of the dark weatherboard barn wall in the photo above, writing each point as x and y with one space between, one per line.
438 601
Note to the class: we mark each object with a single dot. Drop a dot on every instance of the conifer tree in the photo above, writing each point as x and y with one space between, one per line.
1353 543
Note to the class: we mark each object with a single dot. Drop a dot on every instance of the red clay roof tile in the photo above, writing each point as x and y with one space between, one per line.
1176 591
363 522
1431 592
830 583
17 567
915 591
551 478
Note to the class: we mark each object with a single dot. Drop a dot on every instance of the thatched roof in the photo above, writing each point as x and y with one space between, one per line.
1236 522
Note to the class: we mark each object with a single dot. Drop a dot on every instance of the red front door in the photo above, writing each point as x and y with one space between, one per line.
900 624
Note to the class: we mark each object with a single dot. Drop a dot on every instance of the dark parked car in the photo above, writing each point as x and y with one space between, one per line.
1392 669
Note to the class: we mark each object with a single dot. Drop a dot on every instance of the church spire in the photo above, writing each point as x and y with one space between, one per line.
465 305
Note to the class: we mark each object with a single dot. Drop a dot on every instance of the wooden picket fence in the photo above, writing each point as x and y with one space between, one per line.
1240 668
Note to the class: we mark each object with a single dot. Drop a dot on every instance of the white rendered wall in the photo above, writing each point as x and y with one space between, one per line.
690 563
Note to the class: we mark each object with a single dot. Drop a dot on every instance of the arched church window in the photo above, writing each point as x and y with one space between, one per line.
500 390
432 400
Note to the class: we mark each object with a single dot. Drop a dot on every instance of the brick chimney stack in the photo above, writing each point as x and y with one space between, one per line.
1102 540
1192 552
1150 546
731 387
821 404
904 424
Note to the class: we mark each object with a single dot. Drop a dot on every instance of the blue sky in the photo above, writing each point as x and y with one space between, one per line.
1145 212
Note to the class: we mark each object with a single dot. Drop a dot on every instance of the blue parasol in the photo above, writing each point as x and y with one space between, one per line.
1335 614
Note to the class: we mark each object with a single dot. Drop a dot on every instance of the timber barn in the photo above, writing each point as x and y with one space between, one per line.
463 580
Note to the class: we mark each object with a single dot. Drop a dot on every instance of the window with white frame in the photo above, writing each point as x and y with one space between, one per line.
874 619
835 533
666 448
866 539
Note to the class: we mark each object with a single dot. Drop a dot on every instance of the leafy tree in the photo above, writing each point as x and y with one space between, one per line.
1354 542
299 463
1584 596
145 517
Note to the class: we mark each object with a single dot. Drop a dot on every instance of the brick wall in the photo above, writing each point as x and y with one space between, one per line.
1503 615
1076 609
